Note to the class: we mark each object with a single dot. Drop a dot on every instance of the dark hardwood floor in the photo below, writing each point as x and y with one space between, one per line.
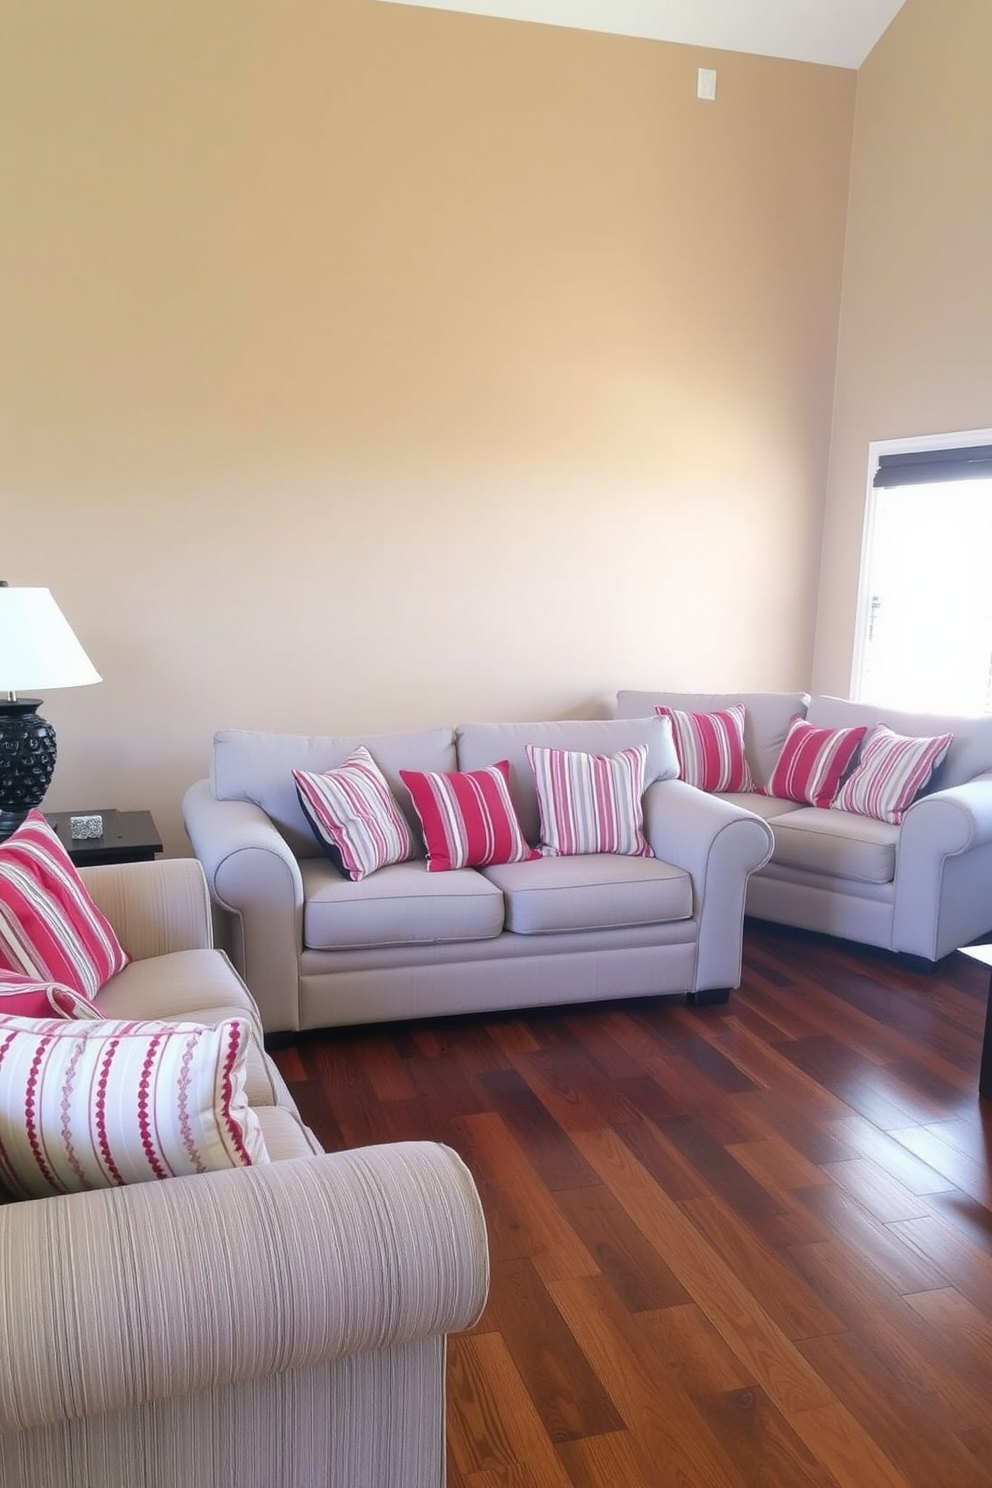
746 1245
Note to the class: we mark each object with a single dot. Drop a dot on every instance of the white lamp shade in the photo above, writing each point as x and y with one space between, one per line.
37 646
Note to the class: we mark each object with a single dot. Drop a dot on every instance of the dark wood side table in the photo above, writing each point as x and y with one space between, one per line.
983 954
128 837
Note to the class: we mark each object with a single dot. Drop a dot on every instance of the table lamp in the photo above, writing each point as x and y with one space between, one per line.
37 649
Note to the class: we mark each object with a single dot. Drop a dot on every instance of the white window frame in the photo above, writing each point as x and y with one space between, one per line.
877 448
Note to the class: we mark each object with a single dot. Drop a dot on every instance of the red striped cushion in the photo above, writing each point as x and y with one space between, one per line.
892 771
99 1104
27 997
50 927
354 817
710 748
812 762
590 803
467 817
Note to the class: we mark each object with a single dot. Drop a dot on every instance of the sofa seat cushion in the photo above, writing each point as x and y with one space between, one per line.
400 905
196 986
769 808
596 891
836 842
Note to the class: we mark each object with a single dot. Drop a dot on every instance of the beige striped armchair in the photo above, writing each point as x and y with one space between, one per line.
280 1326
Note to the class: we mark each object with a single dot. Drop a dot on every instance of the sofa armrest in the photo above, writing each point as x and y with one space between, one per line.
253 876
943 879
154 907
130 1295
720 846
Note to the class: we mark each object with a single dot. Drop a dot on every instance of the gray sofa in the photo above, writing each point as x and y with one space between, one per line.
318 950
919 889
278 1324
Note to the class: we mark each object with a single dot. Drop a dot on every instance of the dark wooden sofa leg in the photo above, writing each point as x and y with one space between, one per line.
710 998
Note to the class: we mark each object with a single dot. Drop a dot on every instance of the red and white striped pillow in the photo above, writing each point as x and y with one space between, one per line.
590 803
812 762
467 817
50 927
27 997
892 771
710 748
101 1104
354 817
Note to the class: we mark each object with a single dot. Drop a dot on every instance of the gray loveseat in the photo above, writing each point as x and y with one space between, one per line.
921 888
318 950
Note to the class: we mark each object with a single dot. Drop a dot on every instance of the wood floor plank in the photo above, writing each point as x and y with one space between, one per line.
776 1073
776 1164
549 1149
959 1168
727 1302
790 1302
666 1423
955 1317
694 1351
956 1259
892 1155
971 1133
760 1441
880 1401
856 1081
523 1218
930 1361
882 1244
561 1382
875 1189
637 1273
846 1450
388 1072
965 1214
614 1461
578 1095
723 1174
494 1426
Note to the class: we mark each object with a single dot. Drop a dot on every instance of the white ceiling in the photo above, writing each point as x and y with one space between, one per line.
839 33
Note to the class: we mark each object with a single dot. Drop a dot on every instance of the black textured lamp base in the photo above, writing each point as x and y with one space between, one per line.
27 761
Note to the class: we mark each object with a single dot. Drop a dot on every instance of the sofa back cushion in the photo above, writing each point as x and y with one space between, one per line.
767 716
970 753
481 744
258 767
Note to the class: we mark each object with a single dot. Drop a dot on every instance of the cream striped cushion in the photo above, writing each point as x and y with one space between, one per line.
99 1104
590 803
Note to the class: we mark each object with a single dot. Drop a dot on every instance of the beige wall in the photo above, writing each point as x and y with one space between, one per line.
367 367
915 352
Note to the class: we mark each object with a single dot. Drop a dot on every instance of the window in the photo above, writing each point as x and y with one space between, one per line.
924 633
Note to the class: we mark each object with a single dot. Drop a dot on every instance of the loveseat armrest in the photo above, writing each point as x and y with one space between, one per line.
131 1295
156 907
943 878
255 879
719 845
